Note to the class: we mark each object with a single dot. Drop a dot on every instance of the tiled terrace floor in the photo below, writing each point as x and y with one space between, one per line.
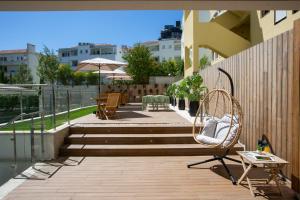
140 178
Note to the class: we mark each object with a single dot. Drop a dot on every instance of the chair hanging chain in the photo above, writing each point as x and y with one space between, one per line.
219 79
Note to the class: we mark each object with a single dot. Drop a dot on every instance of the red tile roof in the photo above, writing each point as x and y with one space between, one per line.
104 44
13 51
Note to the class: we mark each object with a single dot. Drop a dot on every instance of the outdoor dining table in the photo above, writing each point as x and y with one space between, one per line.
155 101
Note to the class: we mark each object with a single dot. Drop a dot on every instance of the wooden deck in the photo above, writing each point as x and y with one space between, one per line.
141 178
138 177
132 115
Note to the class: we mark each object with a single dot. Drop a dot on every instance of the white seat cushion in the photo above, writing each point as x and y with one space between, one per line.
215 131
208 140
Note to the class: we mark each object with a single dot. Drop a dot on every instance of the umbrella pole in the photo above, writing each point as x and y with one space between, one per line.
99 83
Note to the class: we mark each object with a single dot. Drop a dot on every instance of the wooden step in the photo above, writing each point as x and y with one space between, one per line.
130 139
142 150
131 130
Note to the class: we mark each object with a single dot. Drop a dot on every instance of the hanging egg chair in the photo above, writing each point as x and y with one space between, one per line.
218 125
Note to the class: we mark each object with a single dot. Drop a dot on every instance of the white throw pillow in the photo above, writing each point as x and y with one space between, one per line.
209 128
231 135
222 130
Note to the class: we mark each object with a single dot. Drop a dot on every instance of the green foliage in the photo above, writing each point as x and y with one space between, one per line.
3 78
195 87
23 75
140 64
78 78
171 90
91 78
11 102
64 74
169 68
179 67
48 66
182 89
204 62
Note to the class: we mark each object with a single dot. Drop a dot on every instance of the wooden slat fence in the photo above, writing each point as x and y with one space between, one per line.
263 77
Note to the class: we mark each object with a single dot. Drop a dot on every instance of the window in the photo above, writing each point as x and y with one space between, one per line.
3 58
279 15
86 51
170 46
177 47
74 63
264 13
80 51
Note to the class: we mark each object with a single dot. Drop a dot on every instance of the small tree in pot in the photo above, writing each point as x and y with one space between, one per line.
171 93
196 90
181 92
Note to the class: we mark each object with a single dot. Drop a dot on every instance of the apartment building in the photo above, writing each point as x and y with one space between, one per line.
11 60
84 51
168 45
227 33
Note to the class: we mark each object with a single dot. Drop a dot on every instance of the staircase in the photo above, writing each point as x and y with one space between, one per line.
132 141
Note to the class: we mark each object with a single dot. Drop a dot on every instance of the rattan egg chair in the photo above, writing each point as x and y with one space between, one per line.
218 125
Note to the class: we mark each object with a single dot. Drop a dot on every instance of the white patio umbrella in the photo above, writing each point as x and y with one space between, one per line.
96 64
113 73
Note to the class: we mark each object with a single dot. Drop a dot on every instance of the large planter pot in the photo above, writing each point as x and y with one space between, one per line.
174 102
193 108
181 104
171 100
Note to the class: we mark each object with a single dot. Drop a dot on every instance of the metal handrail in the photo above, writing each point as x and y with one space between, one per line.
12 122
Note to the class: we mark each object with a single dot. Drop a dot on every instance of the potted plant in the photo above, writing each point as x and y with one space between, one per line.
181 92
171 93
196 90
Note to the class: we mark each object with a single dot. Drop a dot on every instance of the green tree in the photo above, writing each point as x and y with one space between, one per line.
23 75
64 74
91 78
78 78
48 66
169 68
204 62
179 67
140 64
3 78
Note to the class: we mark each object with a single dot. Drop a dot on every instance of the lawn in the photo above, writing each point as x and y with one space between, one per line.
60 119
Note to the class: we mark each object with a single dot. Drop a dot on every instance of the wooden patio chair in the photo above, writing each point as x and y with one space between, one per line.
109 109
218 125
124 99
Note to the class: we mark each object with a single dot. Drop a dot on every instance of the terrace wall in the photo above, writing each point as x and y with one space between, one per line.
266 81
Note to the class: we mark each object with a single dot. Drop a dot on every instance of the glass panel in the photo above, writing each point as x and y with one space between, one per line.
279 16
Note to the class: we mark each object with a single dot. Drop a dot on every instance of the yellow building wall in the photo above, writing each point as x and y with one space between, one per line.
263 28
219 36
209 35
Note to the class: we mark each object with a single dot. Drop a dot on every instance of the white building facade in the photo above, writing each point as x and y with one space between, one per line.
11 60
84 51
164 49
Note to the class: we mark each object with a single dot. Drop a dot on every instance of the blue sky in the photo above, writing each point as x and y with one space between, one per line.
64 29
